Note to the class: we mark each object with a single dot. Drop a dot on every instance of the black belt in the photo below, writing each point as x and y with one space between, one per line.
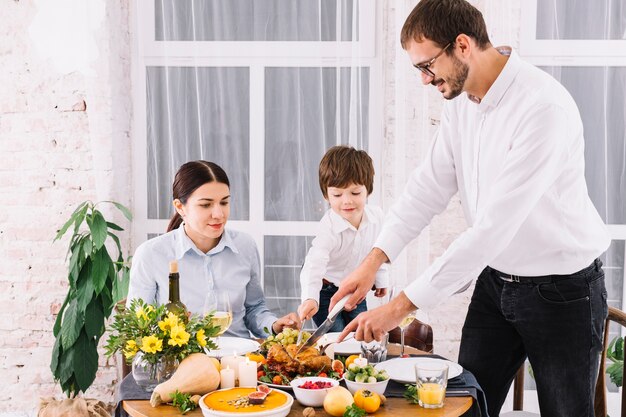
544 279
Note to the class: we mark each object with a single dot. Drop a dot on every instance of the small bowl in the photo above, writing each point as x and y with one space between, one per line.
377 387
311 397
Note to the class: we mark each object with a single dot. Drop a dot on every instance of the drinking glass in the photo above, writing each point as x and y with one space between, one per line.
395 291
375 351
218 303
432 380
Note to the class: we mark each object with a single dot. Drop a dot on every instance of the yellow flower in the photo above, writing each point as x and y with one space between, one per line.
178 336
151 344
130 350
141 313
201 337
169 323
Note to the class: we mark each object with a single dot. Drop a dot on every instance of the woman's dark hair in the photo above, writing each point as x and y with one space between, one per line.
442 21
191 176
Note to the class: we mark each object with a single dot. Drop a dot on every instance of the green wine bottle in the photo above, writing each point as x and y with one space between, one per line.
175 305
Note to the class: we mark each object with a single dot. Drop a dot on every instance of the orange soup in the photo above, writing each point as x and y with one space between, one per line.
227 400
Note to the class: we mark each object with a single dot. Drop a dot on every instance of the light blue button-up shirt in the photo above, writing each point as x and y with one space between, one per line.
233 266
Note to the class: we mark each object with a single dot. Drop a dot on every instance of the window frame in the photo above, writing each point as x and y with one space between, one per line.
570 53
148 52
563 50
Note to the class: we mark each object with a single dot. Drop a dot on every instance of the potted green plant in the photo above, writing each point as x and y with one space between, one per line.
97 281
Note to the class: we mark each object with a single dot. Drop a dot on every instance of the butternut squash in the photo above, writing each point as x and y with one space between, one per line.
196 374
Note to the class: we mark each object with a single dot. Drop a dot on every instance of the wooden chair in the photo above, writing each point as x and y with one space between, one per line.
418 335
600 409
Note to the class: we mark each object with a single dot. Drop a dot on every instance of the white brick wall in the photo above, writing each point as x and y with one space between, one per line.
54 154
53 158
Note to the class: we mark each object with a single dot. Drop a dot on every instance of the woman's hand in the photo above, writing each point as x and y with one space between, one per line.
290 320
307 309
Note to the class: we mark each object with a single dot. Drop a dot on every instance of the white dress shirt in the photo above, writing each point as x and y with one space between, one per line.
517 160
338 248
232 266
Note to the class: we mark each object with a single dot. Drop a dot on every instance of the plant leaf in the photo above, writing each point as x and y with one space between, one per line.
80 217
94 319
114 226
120 285
85 361
117 242
65 368
71 220
98 228
615 371
100 268
123 209
85 286
56 355
73 321
59 319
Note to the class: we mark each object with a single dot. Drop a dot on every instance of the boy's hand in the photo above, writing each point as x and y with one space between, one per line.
290 320
380 292
307 309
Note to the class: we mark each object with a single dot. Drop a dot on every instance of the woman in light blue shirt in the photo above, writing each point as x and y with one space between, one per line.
209 256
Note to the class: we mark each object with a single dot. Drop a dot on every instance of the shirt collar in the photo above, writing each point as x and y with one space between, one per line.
339 224
502 82
184 244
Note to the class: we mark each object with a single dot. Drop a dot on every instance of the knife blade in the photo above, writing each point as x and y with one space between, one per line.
326 325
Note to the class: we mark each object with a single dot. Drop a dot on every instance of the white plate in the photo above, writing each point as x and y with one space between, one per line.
403 369
347 347
230 345
281 411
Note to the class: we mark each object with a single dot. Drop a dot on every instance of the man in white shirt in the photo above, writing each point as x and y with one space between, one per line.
513 148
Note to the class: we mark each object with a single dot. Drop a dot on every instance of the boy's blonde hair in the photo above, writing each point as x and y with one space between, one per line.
343 165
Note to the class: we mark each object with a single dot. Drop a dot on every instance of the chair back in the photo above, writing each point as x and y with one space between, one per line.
600 409
617 316
418 335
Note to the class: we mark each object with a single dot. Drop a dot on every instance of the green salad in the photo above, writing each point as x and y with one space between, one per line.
367 374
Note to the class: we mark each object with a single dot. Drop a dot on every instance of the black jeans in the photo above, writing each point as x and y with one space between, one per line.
344 317
557 325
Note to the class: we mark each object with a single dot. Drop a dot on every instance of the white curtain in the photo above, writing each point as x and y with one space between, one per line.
600 93
204 111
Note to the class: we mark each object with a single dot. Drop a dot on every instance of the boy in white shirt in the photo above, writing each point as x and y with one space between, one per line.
346 234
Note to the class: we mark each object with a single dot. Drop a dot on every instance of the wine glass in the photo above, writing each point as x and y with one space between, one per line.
218 303
395 291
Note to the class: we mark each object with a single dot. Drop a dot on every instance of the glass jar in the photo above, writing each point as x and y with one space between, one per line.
148 375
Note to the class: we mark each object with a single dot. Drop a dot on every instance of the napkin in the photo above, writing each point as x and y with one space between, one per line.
128 390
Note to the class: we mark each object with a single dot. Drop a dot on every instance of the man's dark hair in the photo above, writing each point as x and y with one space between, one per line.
442 21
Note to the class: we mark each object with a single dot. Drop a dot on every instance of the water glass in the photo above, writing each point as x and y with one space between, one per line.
375 351
432 380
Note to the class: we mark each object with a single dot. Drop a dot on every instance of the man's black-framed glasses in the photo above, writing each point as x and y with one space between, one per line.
425 68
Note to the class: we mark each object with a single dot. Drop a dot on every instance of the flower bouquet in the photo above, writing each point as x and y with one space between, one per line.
155 340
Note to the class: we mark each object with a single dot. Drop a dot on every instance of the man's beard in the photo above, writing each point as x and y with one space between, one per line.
456 81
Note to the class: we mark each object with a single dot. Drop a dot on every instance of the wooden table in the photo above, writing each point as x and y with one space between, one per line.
453 407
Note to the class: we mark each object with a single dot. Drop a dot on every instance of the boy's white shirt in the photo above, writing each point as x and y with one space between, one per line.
338 248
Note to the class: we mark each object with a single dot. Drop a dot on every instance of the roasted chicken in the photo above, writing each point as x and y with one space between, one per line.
283 359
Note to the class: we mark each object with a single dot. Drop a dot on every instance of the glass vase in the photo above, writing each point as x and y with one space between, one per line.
148 375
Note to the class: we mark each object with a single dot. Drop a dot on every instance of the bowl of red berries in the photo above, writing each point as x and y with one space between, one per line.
310 391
